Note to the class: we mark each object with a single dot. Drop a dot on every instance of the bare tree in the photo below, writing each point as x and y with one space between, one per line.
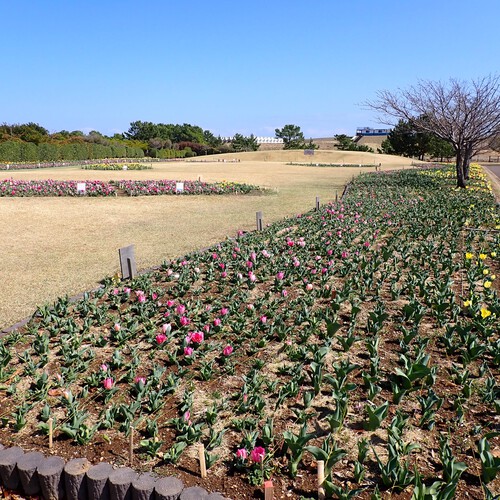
465 114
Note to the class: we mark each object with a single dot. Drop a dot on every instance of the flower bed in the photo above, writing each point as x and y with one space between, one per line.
159 187
356 335
341 165
116 166
12 187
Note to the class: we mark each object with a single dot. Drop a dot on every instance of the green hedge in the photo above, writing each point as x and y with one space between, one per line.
12 151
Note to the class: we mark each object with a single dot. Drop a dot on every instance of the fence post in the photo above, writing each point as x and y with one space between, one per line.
317 203
127 262
259 221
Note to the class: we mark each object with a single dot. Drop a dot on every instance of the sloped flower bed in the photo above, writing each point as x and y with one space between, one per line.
364 335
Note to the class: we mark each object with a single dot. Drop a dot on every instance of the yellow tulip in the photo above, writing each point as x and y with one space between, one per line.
485 313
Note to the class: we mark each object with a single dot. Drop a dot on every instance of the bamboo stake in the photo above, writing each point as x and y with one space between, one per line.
268 490
321 479
203 465
51 431
131 446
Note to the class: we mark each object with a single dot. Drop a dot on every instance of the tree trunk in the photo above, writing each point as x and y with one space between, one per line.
466 162
460 171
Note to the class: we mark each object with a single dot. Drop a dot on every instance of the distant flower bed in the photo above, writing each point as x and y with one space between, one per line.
158 187
358 165
116 166
11 187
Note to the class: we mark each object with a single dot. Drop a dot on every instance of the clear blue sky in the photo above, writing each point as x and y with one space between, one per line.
239 66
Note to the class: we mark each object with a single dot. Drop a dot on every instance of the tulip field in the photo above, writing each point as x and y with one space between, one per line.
364 334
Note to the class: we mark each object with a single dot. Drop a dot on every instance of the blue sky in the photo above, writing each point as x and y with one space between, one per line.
240 66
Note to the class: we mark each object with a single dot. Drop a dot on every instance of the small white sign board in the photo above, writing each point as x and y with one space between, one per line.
124 167
81 187
179 187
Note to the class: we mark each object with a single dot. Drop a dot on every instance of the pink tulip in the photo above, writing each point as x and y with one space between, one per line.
117 327
170 303
224 311
180 309
309 287
166 328
280 275
257 454
217 322
197 337
228 350
108 383
184 321
263 319
104 367
242 453
188 351
160 338
140 380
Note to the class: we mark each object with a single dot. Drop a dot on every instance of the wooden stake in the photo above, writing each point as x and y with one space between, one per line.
268 490
51 424
321 479
131 446
203 465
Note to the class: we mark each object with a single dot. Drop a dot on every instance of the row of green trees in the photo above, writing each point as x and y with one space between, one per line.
17 151
30 142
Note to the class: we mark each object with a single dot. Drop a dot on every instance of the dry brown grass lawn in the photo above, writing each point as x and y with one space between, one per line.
51 247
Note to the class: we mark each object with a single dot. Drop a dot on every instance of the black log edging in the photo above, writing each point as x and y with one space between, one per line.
75 481
168 488
143 487
50 477
8 470
120 483
53 478
27 466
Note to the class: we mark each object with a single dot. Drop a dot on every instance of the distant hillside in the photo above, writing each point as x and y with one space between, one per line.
320 156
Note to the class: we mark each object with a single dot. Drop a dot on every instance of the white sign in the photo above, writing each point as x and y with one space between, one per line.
124 167
179 187
81 187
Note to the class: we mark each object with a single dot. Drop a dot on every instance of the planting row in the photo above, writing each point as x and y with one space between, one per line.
18 188
356 335
117 166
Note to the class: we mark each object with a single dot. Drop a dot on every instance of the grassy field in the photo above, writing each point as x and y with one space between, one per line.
56 246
